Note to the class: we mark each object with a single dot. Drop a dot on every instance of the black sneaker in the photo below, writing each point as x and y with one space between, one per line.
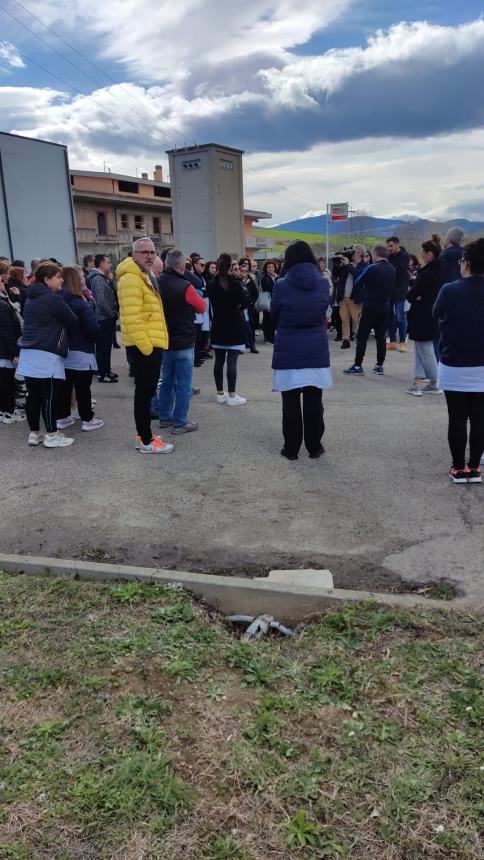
317 453
345 345
108 378
112 375
378 369
474 475
287 455
459 476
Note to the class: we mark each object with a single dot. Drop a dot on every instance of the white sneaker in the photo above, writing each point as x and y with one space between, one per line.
156 446
35 439
75 412
93 424
57 441
431 389
222 398
236 400
12 417
65 422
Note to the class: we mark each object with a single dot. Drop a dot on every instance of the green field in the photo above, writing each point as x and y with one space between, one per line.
283 238
136 726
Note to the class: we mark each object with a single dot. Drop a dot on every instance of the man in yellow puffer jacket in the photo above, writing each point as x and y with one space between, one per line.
145 336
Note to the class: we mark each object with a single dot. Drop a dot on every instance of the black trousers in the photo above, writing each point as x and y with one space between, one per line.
218 369
200 341
113 329
268 327
377 319
309 422
146 369
104 346
463 407
7 389
80 380
42 397
336 322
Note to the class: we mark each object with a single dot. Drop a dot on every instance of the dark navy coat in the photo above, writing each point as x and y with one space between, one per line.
299 303
47 321
85 338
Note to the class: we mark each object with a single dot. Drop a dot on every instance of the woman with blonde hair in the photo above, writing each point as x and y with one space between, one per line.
80 363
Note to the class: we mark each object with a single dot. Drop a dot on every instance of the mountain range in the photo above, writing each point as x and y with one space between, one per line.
367 225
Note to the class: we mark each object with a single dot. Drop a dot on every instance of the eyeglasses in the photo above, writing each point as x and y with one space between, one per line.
462 260
147 253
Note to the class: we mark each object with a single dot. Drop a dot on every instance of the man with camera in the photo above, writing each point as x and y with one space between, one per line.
351 264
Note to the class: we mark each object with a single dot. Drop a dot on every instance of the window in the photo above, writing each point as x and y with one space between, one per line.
191 165
138 222
161 192
132 187
156 225
72 180
125 222
101 224
225 164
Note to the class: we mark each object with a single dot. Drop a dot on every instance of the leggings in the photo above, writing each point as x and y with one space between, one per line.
464 406
7 389
218 369
80 380
42 397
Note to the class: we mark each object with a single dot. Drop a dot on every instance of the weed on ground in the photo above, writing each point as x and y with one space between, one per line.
135 725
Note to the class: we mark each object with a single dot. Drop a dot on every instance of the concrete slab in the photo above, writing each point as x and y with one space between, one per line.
230 595
322 579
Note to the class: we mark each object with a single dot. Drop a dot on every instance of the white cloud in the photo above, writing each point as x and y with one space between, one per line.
167 40
10 57
303 79
379 177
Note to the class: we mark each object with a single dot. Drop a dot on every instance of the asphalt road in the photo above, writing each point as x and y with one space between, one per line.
378 508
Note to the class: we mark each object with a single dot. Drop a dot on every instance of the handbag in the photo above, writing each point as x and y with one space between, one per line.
263 302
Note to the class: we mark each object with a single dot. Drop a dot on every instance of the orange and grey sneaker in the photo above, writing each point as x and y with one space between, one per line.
137 441
392 345
156 446
402 347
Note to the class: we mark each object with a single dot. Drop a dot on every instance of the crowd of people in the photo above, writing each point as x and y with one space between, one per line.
58 326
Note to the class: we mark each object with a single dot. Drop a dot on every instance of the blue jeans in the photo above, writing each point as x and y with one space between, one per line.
176 385
398 319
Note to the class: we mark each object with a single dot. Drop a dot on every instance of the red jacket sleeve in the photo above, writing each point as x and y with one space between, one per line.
192 298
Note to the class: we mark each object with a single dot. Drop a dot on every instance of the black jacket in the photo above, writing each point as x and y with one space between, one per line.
227 306
179 315
85 338
379 284
267 284
450 262
9 329
47 320
400 262
422 295
21 299
349 269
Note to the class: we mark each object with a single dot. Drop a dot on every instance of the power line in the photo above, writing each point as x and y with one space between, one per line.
84 95
78 68
80 54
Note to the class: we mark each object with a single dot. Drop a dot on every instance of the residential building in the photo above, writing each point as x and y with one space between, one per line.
113 210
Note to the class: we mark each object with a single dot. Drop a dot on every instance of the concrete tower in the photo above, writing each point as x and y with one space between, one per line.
207 199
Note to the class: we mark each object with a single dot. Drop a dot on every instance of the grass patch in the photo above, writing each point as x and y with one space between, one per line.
135 725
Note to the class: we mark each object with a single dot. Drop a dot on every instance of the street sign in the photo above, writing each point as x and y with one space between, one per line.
338 211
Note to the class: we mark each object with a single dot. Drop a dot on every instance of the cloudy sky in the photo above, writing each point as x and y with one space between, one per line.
379 103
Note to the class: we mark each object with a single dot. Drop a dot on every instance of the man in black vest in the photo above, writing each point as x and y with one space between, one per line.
180 302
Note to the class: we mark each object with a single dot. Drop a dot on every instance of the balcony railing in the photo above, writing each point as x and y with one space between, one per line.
89 235
258 242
